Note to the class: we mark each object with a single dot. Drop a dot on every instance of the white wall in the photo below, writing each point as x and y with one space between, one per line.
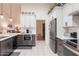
41 12
71 20
40 9
67 9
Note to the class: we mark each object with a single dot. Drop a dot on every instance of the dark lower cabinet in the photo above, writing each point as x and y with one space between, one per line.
14 42
20 39
60 49
6 47
33 40
26 40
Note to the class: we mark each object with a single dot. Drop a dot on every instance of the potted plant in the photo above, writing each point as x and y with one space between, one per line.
55 4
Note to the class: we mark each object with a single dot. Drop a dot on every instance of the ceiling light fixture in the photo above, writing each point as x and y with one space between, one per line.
1 14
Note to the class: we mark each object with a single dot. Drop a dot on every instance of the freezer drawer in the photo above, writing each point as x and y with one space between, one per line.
53 46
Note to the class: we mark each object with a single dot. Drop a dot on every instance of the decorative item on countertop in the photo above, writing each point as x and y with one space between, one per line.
73 34
27 30
17 29
10 28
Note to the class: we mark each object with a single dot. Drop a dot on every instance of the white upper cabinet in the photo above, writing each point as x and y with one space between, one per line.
28 21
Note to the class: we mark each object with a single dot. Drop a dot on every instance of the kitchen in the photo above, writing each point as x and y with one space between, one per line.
18 29
65 34
18 24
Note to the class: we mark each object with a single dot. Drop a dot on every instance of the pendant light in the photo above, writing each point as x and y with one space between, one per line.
10 14
1 15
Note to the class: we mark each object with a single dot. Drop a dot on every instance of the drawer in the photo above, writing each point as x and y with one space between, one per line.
60 47
27 42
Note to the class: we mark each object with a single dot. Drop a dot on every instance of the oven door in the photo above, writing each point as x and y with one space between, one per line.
27 40
72 43
68 51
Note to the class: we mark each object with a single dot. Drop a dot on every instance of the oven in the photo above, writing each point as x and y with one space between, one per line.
71 42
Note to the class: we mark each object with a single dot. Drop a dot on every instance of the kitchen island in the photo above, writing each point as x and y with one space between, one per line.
10 41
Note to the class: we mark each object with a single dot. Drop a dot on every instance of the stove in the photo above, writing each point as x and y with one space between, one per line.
72 42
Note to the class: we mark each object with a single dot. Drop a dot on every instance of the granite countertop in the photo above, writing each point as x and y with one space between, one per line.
9 35
66 37
27 33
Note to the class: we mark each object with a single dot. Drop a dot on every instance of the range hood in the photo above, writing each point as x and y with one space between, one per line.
75 13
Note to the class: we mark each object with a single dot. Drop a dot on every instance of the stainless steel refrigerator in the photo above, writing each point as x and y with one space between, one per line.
53 33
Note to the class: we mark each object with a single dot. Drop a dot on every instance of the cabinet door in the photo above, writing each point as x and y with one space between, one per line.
20 39
59 47
33 40
10 45
6 47
15 42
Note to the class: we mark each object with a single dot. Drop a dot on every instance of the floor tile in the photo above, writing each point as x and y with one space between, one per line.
41 49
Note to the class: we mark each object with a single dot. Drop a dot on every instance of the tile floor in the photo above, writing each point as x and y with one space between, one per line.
39 50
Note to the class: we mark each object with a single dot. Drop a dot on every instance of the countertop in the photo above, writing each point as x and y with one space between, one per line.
66 37
27 33
9 35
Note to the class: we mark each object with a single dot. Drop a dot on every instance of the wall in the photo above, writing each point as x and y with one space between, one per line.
67 9
15 14
71 20
41 12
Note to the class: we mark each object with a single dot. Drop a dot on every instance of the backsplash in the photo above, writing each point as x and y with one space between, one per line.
71 30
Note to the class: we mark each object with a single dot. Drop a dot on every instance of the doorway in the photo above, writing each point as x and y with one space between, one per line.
40 29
